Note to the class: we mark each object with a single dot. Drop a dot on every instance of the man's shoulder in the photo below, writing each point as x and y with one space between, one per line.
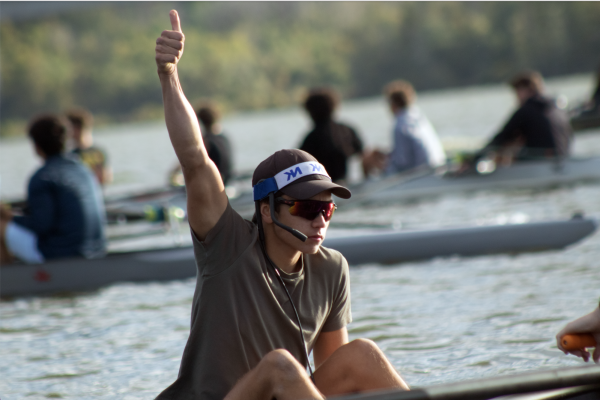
330 258
229 222
348 129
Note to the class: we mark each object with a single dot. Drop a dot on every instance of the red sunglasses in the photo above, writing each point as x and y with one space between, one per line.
309 209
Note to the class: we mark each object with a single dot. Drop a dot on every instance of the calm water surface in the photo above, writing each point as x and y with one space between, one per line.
439 321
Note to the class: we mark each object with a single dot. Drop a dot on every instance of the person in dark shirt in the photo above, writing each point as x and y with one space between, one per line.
330 142
538 128
92 156
217 144
65 214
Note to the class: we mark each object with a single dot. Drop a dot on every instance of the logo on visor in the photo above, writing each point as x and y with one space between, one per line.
316 167
293 173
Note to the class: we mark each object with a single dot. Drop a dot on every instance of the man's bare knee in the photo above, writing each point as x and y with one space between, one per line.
364 348
282 371
281 365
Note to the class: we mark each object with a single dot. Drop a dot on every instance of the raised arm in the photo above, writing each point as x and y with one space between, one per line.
206 198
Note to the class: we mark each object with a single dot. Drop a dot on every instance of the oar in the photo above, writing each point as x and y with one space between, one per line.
578 341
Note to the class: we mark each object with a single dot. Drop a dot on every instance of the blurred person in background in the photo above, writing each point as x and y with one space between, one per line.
65 214
537 129
592 106
416 143
330 142
217 144
92 156
596 96
589 323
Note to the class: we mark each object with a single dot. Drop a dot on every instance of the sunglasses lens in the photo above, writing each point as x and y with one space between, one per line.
310 209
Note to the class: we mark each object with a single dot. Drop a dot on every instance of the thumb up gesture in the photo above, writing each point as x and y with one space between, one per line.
169 46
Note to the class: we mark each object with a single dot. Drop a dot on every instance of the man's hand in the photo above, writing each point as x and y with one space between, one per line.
589 323
169 46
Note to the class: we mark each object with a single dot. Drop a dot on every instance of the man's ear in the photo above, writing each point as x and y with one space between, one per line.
265 212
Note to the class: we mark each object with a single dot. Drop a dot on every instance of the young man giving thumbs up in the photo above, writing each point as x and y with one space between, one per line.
267 292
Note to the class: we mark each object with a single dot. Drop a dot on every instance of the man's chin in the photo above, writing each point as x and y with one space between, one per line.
312 249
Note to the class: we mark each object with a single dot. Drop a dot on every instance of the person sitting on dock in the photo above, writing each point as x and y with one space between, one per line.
416 143
92 156
65 214
537 129
267 292
587 324
330 142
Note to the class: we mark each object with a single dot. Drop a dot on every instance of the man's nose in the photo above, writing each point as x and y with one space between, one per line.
319 221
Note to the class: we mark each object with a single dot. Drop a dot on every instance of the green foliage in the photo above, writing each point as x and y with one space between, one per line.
251 55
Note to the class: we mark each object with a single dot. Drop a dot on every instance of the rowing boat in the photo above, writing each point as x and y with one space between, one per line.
539 174
76 275
570 383
586 121
426 182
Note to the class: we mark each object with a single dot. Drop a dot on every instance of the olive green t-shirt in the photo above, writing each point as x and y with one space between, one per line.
241 312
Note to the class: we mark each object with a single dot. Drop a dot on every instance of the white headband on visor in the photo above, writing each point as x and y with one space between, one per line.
287 176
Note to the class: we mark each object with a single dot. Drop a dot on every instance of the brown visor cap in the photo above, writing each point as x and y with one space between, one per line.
303 188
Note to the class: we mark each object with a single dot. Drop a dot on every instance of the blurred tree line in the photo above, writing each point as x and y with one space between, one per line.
250 55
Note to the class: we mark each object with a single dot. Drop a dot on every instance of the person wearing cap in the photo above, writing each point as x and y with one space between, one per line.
330 142
538 128
267 292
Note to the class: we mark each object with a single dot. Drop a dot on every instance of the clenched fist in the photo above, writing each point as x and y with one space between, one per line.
169 46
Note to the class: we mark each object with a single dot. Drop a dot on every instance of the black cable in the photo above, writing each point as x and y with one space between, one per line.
276 269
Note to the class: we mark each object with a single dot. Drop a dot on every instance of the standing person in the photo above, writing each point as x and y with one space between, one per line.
92 156
415 141
330 142
216 143
65 210
538 126
589 323
264 297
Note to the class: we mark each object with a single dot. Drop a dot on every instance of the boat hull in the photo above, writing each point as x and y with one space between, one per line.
522 175
77 275
586 121
393 248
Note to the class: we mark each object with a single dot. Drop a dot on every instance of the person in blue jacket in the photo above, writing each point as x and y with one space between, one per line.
65 214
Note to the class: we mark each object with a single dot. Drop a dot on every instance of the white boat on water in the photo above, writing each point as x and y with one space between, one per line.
76 275
425 183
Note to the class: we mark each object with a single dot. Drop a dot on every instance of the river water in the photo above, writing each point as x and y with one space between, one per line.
439 321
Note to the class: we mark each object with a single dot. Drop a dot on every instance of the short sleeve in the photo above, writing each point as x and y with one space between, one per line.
224 243
340 314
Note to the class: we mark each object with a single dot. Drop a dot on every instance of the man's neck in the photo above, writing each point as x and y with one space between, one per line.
286 258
